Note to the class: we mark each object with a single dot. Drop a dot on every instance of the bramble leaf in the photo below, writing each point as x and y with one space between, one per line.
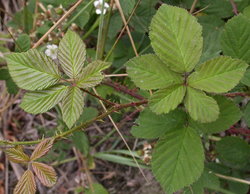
72 106
176 38
42 148
27 184
72 54
32 70
200 106
42 101
46 174
229 115
16 155
152 126
92 75
149 72
218 75
234 152
165 100
235 39
178 159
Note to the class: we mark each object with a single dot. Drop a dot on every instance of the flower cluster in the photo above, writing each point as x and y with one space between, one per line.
98 5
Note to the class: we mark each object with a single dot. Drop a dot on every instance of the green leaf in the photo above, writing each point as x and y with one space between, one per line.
246 11
152 126
17 155
11 86
91 75
235 39
27 184
176 38
234 152
46 174
218 75
98 189
32 70
165 100
42 148
247 114
229 115
200 106
81 142
42 101
178 159
127 6
149 72
72 54
72 106
23 43
246 78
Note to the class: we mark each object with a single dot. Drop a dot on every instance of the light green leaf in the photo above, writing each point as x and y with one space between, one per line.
218 75
72 54
41 101
23 43
235 39
72 106
26 184
234 152
98 189
176 38
149 72
32 70
246 78
229 115
46 174
165 100
81 141
200 106
178 159
91 75
152 126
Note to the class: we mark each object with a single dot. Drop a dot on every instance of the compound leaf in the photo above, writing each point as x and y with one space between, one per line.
32 70
42 148
200 106
91 75
27 184
152 126
218 75
46 174
165 100
149 72
16 155
72 106
176 38
41 101
178 159
72 54
235 39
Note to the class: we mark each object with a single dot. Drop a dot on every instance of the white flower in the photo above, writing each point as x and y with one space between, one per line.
98 6
51 51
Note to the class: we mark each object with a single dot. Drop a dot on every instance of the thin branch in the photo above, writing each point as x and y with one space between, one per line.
79 127
118 5
123 139
193 6
57 23
234 6
232 179
235 94
117 75
99 97
120 88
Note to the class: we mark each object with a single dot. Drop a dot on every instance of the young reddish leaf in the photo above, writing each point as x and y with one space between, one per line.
46 174
16 155
27 184
42 149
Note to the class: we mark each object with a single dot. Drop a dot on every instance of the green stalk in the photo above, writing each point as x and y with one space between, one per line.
93 27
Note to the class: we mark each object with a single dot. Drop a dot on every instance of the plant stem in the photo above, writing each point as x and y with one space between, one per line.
79 127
